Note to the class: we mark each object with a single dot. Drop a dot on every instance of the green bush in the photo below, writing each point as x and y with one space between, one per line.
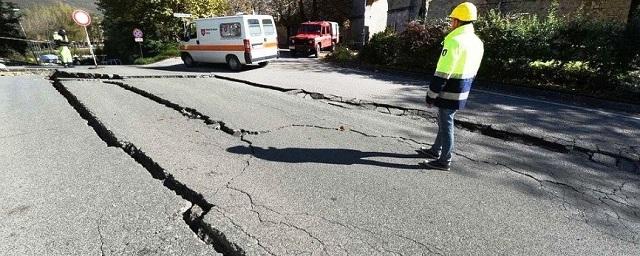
381 49
573 53
416 48
420 45
342 54
580 53
157 51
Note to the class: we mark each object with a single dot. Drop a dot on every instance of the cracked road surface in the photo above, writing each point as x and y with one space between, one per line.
611 137
64 192
262 172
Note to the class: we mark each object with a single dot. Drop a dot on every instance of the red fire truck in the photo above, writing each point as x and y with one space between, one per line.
313 37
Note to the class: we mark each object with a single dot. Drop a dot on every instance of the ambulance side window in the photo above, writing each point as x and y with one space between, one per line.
269 29
254 27
230 30
192 32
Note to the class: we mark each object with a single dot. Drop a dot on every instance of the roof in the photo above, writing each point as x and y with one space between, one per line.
259 16
316 23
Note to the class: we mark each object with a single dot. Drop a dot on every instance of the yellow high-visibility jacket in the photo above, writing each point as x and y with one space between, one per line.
457 67
65 55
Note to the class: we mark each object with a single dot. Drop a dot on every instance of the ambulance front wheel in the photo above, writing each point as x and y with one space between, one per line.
233 63
188 60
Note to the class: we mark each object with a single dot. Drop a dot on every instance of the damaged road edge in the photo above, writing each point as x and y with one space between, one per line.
621 162
200 206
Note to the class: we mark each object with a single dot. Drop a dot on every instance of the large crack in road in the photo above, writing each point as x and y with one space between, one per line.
194 215
612 159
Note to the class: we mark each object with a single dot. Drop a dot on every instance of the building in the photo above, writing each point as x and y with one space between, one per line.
373 16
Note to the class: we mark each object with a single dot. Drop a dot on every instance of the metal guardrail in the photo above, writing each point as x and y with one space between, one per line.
38 47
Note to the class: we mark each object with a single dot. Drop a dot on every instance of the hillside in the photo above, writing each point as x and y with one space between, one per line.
87 5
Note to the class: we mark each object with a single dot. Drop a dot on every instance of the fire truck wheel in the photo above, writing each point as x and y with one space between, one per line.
318 50
293 53
233 63
188 61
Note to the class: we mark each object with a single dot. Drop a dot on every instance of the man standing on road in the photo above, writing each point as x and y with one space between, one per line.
451 83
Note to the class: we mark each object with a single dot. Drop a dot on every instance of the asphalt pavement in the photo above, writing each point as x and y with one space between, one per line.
64 192
274 171
608 135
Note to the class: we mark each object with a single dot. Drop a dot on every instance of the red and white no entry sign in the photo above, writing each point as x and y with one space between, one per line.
137 33
81 18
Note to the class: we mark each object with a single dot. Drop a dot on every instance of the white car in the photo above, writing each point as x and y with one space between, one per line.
49 59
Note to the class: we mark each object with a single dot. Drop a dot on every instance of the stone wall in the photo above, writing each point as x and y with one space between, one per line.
358 32
440 9
402 11
614 10
369 15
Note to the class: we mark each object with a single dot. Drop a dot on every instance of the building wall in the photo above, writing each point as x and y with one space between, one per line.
402 11
376 16
440 9
358 32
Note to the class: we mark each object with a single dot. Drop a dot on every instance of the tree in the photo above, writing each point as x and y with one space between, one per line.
634 12
42 20
633 30
290 13
250 6
153 17
10 27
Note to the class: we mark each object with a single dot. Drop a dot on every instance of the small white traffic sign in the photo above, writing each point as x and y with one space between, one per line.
138 39
181 15
81 18
137 33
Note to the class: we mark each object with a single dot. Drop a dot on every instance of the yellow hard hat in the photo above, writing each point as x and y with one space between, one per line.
465 12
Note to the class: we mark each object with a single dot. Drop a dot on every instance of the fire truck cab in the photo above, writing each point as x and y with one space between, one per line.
313 37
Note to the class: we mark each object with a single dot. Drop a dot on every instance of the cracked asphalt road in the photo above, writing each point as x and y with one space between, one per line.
279 174
590 126
64 192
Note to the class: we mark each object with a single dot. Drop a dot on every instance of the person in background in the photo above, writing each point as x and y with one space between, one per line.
60 38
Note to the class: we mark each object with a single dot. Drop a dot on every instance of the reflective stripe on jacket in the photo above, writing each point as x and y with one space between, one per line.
457 67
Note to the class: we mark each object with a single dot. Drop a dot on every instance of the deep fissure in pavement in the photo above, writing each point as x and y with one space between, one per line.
622 162
194 215
192 218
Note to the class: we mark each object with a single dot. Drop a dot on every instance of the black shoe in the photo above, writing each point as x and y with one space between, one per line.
435 164
428 153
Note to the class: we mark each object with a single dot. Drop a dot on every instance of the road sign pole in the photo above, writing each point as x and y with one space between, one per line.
90 47
140 45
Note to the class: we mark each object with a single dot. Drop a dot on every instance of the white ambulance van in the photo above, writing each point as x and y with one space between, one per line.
235 40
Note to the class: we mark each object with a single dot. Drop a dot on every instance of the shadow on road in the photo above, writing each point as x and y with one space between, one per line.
336 156
217 67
